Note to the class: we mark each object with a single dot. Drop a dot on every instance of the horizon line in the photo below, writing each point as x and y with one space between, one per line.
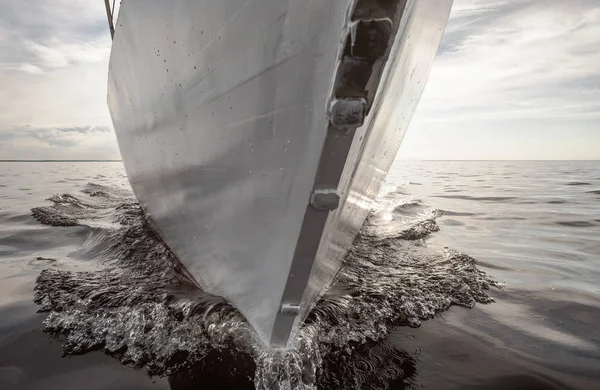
500 159
61 160
401 159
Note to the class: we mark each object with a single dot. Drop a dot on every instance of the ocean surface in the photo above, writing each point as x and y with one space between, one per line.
467 275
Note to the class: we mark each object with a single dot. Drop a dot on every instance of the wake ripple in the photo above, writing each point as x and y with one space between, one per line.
139 305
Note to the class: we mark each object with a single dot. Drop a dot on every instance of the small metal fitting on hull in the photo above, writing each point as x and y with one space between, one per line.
325 199
290 309
349 112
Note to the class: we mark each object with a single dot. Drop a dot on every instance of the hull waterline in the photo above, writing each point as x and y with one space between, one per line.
256 134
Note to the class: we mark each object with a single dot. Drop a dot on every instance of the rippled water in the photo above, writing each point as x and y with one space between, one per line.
106 284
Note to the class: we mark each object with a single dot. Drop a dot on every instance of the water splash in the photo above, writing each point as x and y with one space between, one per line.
138 305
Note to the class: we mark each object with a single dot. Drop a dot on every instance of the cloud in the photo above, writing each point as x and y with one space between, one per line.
529 65
57 54
82 129
52 34
67 142
522 59
54 136
53 71
26 68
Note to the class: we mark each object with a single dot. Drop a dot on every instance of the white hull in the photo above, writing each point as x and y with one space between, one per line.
223 111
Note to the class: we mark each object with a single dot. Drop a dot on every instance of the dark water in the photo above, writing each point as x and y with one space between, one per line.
106 286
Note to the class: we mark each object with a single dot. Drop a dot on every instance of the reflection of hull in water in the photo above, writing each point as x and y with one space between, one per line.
257 133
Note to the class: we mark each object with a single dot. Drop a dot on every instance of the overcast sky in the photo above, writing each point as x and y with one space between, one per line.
514 79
